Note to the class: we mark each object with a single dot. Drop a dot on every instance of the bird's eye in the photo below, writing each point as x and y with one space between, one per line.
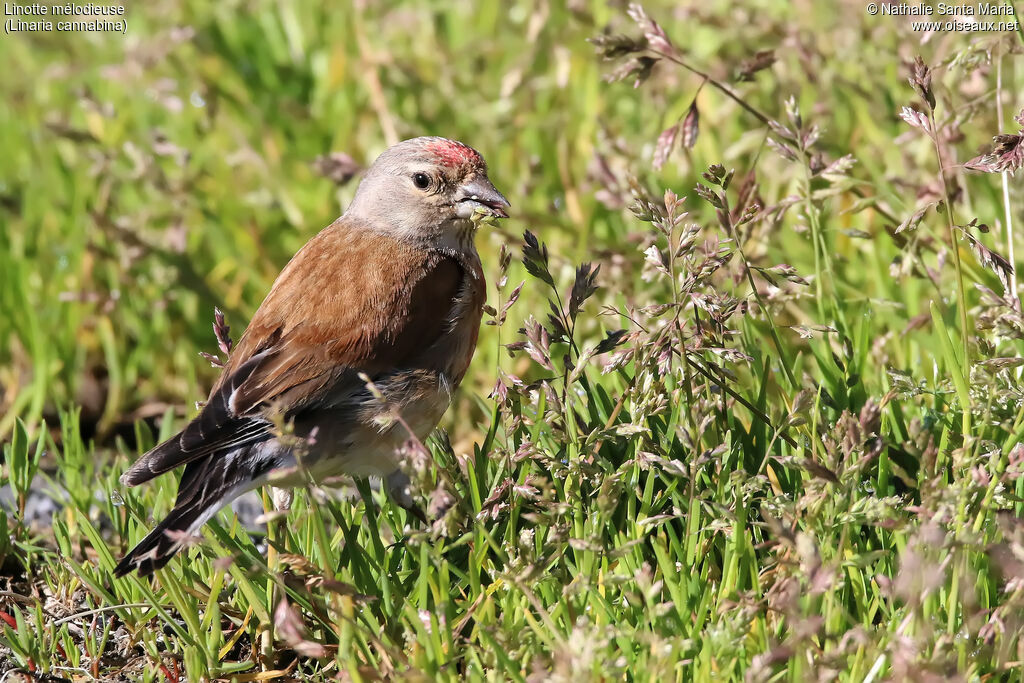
421 180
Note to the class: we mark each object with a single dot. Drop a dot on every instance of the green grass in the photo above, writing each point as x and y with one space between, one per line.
801 460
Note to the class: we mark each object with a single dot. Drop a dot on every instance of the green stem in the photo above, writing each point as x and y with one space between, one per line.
716 84
821 254
734 233
1007 213
954 245
1020 29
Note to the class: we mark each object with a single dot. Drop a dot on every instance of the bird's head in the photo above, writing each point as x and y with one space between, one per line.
427 189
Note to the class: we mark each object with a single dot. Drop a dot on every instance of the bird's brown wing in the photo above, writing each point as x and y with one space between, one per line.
350 302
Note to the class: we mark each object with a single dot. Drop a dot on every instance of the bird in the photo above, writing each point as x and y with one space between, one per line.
392 292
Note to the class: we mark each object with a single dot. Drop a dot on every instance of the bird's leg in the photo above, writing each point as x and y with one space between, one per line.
397 486
282 498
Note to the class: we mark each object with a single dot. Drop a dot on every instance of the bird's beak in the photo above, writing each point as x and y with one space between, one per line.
479 193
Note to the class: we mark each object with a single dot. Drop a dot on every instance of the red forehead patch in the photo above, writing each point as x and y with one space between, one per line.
452 153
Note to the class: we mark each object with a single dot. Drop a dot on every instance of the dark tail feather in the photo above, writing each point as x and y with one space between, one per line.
206 486
163 542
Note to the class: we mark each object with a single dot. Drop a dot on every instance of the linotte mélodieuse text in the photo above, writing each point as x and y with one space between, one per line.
945 9
83 17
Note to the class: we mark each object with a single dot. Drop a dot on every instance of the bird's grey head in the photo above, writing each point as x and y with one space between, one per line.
427 189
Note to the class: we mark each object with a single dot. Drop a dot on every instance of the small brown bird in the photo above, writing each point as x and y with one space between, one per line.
394 290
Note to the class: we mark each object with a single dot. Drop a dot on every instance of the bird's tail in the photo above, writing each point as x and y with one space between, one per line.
164 542
206 486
